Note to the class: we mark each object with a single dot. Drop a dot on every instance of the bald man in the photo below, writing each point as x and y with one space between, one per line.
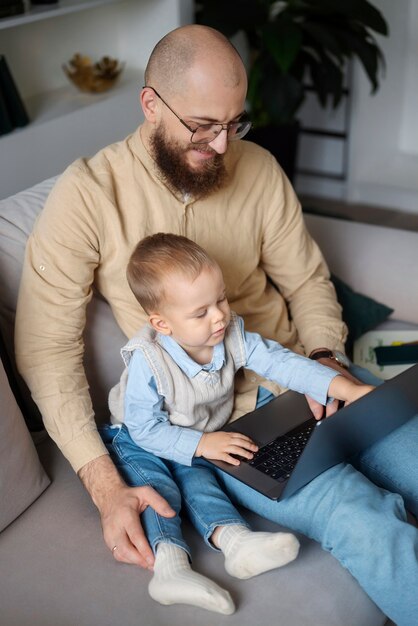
185 171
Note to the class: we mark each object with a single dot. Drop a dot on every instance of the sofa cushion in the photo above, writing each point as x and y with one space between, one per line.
360 312
60 573
22 477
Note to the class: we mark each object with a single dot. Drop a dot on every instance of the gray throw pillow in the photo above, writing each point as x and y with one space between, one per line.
22 477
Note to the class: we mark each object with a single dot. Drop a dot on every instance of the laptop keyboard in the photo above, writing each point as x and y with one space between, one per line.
278 458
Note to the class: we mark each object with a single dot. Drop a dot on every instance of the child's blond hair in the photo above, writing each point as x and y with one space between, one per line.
157 257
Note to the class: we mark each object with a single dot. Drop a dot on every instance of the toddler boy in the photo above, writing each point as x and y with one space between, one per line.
175 394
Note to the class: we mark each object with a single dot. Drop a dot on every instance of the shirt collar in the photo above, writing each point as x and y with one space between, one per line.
186 363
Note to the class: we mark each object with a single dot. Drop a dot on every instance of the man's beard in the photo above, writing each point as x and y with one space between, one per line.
177 174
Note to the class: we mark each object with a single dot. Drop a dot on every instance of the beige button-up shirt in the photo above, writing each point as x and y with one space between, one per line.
275 276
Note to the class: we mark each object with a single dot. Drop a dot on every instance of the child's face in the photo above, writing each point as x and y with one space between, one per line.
195 312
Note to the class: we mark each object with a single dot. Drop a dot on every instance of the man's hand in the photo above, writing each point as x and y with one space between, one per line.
120 507
319 411
220 446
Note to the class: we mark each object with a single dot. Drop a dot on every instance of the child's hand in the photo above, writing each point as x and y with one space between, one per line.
346 390
357 391
220 446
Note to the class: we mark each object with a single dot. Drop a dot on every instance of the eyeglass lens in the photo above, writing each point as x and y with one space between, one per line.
208 132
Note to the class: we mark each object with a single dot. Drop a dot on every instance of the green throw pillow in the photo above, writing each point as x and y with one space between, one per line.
360 312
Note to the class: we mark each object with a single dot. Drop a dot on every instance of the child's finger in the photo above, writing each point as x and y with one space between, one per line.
244 441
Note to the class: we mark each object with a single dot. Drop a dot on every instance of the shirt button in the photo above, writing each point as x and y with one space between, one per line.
42 268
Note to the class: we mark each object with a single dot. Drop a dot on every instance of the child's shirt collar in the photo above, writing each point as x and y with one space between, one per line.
186 363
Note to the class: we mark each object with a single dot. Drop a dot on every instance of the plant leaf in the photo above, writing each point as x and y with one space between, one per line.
367 52
324 38
360 11
283 39
278 95
328 80
231 17
292 38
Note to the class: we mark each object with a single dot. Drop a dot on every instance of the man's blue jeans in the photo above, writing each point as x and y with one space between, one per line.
362 523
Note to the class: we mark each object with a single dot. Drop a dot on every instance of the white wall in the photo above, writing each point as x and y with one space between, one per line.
383 129
384 136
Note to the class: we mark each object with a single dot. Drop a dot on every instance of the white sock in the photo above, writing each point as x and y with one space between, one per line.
250 553
174 582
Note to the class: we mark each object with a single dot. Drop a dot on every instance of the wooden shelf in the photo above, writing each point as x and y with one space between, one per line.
53 104
46 11
50 105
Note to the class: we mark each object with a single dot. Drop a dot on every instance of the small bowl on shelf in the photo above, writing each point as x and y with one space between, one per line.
93 77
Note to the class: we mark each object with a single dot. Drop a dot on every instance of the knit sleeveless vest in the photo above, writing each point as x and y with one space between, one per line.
204 402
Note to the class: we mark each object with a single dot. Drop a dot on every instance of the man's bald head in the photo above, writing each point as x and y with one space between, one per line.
190 49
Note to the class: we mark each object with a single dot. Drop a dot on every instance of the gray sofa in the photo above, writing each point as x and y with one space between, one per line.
54 567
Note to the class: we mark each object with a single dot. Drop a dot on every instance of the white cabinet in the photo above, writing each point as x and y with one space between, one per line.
66 123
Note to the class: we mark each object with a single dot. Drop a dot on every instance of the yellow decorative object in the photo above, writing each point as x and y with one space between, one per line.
93 77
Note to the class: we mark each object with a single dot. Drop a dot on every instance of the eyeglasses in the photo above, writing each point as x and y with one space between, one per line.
205 133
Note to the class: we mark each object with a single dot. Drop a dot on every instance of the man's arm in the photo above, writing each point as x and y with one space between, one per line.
293 261
61 258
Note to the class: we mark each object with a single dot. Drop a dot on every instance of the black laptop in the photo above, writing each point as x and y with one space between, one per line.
294 448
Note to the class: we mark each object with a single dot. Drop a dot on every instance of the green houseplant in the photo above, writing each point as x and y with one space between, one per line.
298 44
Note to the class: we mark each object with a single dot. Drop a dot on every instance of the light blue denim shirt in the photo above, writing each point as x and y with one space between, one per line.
149 424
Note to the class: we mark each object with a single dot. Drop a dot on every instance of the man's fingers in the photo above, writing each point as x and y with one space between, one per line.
135 547
150 497
122 528
143 549
136 552
122 534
